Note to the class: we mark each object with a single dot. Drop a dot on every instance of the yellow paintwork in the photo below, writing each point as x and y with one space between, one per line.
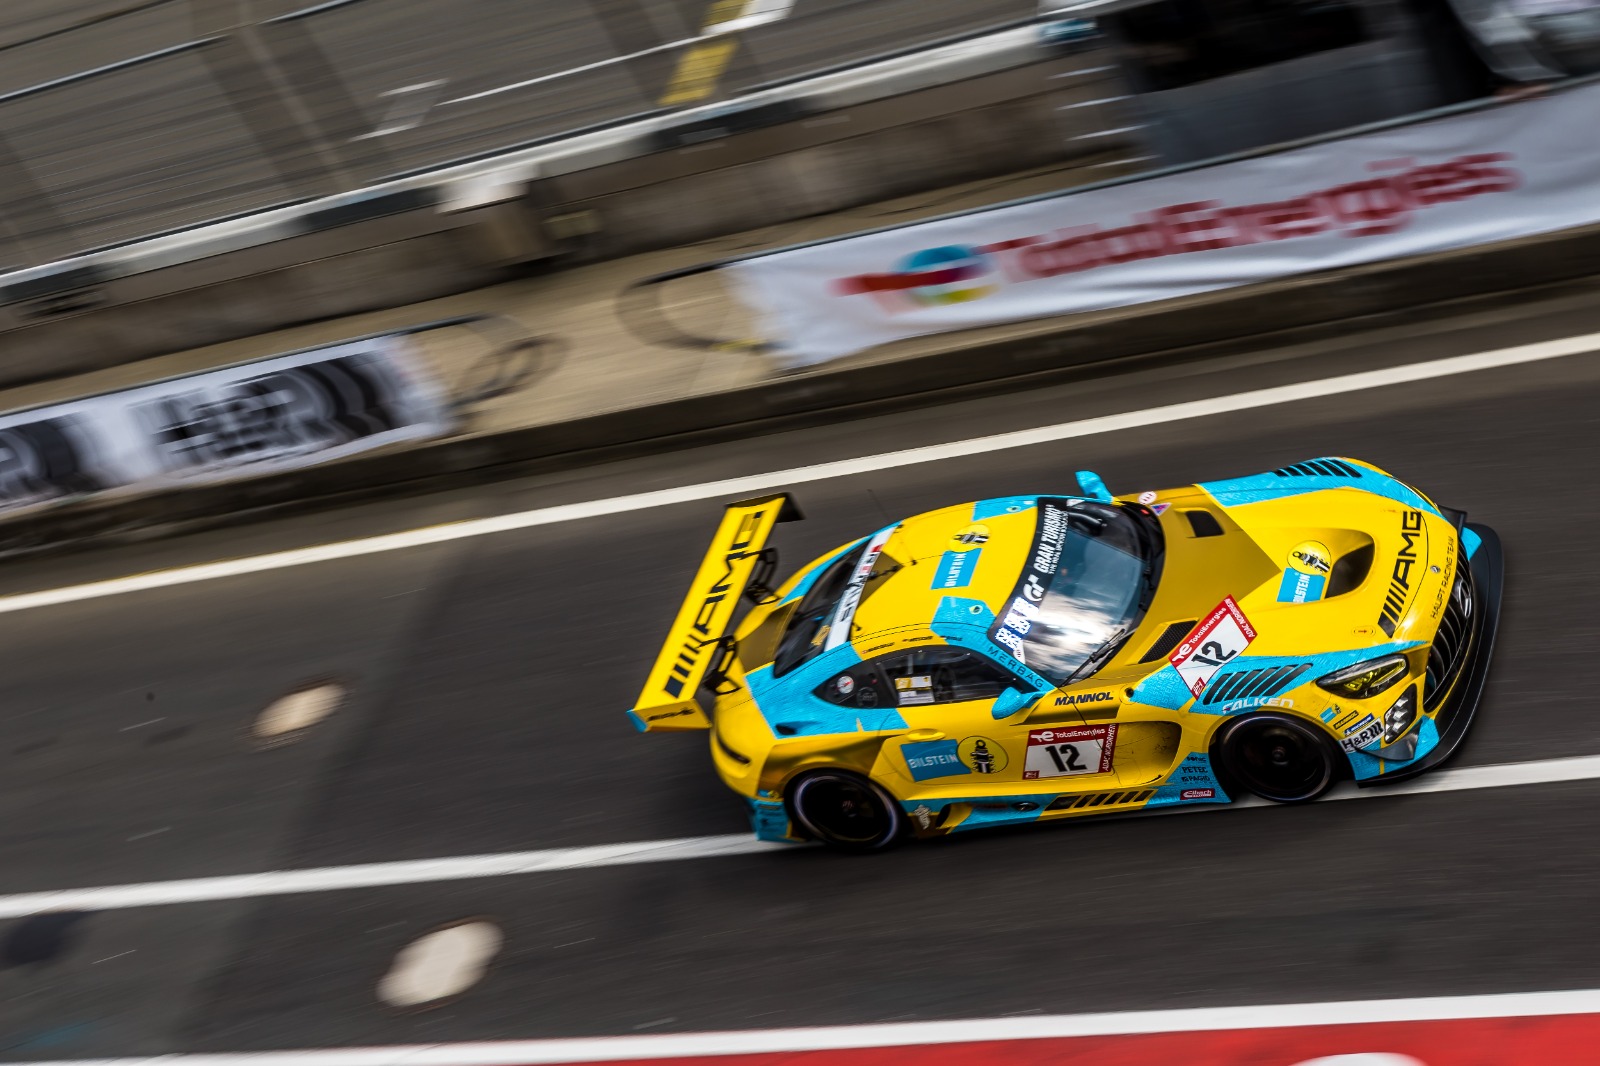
668 701
1258 543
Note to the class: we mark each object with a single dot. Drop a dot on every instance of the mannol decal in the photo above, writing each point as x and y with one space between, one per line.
1381 204
1483 176
1081 698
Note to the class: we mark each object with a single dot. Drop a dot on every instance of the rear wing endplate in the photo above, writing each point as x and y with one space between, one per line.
668 701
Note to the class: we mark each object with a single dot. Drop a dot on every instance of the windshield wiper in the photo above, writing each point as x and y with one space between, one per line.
1104 651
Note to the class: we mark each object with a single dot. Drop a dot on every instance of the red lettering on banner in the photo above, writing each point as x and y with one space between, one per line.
869 283
1182 220
1370 207
1287 219
1491 178
1144 240
1382 204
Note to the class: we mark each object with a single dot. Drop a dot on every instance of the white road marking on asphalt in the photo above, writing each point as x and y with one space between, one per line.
548 860
298 711
440 964
903 1034
380 874
778 479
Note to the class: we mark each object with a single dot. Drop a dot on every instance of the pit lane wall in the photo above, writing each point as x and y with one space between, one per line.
1460 181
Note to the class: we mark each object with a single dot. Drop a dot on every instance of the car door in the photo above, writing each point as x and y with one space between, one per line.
952 744
1088 736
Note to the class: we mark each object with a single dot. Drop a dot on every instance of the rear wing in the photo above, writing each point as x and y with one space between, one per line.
668 701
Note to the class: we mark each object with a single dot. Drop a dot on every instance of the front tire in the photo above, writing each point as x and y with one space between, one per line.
845 811
1277 757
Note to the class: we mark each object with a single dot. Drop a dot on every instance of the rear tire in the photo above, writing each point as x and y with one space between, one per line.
1277 757
845 811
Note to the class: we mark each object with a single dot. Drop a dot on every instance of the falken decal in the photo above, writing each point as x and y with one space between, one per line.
1252 702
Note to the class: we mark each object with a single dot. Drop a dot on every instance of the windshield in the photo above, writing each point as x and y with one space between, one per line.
822 620
807 631
1089 578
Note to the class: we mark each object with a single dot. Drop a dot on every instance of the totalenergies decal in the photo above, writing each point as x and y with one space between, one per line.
1384 203
953 273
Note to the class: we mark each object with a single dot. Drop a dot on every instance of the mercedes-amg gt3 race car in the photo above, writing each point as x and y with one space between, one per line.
1054 656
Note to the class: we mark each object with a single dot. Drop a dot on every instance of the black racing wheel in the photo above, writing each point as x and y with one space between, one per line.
845 810
1278 757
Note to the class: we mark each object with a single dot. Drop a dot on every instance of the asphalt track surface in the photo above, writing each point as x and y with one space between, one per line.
207 133
489 676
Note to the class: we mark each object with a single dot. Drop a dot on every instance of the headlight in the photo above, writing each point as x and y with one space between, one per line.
1365 680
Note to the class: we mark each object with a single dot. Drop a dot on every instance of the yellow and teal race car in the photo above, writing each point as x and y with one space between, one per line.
1054 656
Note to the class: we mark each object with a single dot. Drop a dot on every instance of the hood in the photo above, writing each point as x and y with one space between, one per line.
1332 568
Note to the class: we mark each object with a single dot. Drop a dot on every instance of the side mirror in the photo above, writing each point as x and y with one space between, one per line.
1093 487
1011 701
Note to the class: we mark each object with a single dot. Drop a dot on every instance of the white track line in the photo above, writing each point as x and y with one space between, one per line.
380 874
908 1034
755 483
470 867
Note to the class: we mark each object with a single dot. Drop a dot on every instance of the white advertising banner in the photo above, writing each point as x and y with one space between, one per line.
275 414
1488 175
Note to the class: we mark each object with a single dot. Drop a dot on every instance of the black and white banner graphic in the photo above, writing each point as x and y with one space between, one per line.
276 414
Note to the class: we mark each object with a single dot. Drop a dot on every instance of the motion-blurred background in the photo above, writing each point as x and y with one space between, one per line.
124 118
505 263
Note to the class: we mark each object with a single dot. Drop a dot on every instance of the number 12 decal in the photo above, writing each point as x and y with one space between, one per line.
1219 637
1065 757
1069 751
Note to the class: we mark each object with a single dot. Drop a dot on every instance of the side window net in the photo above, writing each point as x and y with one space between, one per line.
918 677
862 685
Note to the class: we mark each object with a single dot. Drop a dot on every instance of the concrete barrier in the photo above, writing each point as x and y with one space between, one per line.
1566 263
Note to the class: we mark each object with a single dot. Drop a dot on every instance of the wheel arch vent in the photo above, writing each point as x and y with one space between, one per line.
1170 638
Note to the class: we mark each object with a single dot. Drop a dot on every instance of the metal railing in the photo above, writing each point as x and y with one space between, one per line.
285 105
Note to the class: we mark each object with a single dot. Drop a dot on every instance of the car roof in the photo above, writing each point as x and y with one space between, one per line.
938 565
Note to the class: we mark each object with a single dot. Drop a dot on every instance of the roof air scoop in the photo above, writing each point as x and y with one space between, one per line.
1093 487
